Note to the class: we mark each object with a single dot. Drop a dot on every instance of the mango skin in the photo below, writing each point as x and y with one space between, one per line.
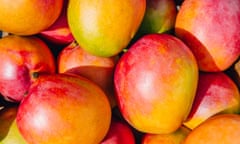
64 109
159 17
28 17
104 28
219 129
211 30
155 83
216 93
176 137
21 58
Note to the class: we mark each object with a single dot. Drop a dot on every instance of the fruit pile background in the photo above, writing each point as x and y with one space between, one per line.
143 71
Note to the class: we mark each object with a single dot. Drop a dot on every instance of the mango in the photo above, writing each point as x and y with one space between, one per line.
104 28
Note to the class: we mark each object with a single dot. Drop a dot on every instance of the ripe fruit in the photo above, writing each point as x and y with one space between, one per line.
219 129
66 109
104 28
119 133
159 17
211 30
216 93
155 82
74 59
22 60
59 32
28 17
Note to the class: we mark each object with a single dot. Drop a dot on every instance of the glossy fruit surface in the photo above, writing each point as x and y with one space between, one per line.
216 93
159 17
155 83
28 17
59 32
219 129
74 59
22 60
211 30
104 28
64 109
119 133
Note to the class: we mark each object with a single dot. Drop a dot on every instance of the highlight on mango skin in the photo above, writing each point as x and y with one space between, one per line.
119 72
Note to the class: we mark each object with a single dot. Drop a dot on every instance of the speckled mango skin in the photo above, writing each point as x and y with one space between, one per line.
104 28
211 30
155 83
